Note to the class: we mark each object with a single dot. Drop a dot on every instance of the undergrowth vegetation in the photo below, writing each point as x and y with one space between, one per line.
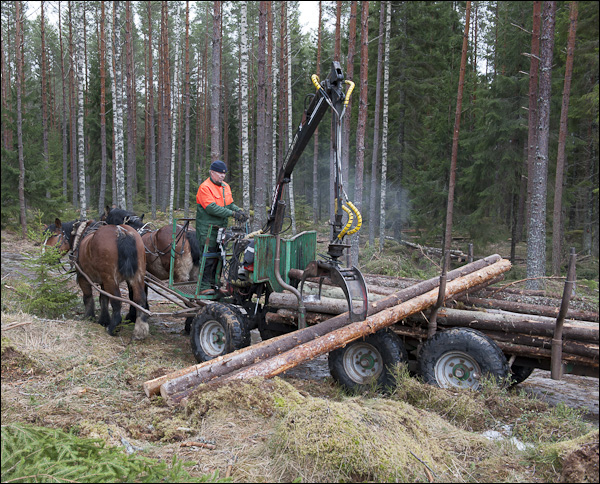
72 395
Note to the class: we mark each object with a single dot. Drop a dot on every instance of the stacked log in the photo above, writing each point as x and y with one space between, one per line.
181 381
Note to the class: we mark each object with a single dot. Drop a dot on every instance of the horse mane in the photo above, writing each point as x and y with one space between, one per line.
118 216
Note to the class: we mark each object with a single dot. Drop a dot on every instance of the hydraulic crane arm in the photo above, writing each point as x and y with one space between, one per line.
330 93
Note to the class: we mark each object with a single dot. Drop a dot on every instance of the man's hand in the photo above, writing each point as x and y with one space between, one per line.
240 216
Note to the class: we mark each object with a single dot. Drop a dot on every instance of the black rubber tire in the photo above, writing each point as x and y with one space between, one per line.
459 357
519 374
217 330
368 361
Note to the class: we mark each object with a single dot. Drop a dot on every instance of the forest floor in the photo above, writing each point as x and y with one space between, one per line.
68 373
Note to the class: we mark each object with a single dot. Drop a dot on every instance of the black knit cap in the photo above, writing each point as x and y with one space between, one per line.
218 166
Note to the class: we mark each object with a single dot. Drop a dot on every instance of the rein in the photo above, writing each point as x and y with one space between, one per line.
160 252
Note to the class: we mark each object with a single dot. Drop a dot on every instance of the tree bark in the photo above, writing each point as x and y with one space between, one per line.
186 190
130 107
533 103
44 97
557 226
261 136
215 91
384 134
536 234
362 123
80 87
20 81
244 107
175 111
315 197
339 337
151 140
195 374
376 115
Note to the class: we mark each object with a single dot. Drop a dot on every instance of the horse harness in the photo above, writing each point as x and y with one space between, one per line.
156 252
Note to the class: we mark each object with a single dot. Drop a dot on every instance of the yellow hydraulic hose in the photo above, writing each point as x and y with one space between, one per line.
349 224
348 92
358 219
315 80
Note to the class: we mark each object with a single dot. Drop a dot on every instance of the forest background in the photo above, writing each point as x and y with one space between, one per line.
127 103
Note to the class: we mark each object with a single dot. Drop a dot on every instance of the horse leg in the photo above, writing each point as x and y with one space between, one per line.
88 298
137 293
104 314
132 314
116 309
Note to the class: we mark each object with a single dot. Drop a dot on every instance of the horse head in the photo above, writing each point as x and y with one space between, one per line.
58 235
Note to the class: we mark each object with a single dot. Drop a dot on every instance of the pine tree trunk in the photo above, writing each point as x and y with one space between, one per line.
337 55
384 134
376 115
80 87
557 229
20 81
456 131
151 140
102 193
533 107
261 135
362 122
44 98
536 234
269 103
215 91
348 116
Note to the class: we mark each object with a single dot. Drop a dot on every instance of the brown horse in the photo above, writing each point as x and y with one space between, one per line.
109 255
58 235
158 253
158 246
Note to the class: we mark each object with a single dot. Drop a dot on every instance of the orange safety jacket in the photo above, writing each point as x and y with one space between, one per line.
215 206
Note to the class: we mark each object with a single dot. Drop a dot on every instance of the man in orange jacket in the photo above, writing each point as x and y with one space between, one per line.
215 206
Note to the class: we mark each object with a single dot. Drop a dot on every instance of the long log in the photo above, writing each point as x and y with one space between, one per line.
517 323
196 374
516 346
340 337
286 316
528 308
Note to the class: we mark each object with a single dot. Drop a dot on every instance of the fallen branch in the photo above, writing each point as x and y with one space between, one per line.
204 445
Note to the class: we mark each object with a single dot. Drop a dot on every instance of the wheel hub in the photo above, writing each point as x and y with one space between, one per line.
362 362
457 369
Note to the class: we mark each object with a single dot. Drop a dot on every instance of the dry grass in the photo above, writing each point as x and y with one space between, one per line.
71 374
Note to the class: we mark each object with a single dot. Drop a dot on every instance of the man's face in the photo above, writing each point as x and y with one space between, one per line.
217 177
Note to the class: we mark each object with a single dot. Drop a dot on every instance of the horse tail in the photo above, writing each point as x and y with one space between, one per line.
128 256
194 246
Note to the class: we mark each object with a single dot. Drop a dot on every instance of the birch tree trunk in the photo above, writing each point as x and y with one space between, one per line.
536 234
174 110
557 229
376 115
80 85
73 102
130 91
384 134
102 193
315 197
290 133
362 122
119 196
65 139
244 108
